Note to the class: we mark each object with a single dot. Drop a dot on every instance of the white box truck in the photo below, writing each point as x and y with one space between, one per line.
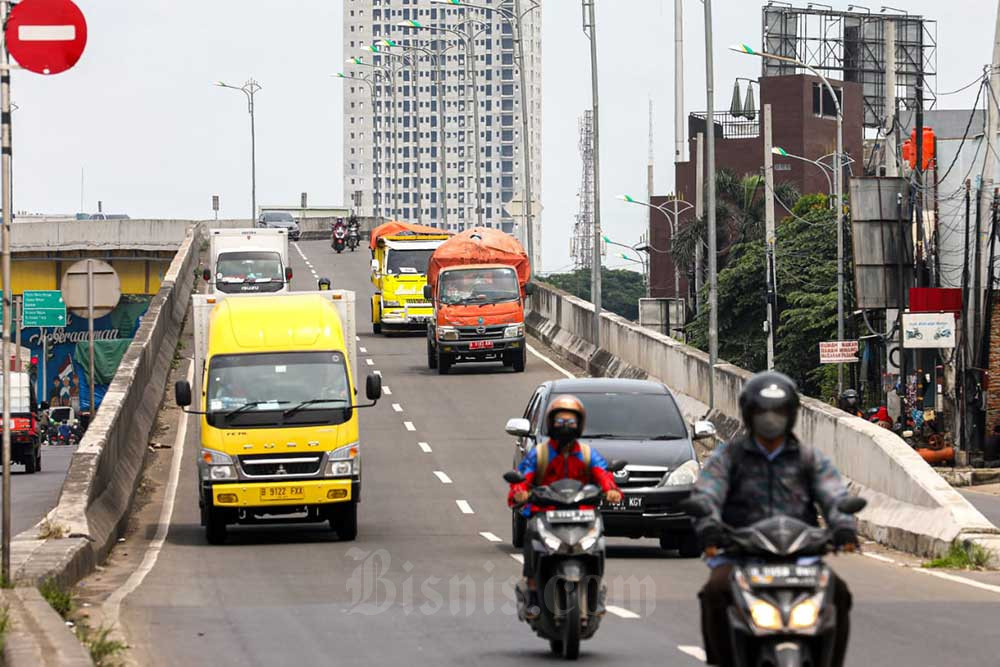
248 261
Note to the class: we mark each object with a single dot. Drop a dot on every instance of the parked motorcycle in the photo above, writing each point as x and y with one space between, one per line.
569 561
339 241
783 611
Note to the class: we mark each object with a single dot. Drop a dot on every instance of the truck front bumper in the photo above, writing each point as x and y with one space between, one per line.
415 316
480 350
280 494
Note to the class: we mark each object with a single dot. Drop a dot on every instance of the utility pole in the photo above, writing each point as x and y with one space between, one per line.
891 149
442 137
415 84
8 321
590 28
680 152
470 61
769 233
529 219
699 214
649 196
713 277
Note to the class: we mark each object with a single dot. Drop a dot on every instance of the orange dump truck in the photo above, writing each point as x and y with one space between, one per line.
477 282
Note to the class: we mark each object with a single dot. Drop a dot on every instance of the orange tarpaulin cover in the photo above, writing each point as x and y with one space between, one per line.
480 245
396 227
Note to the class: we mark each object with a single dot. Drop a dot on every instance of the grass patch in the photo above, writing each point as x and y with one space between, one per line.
58 597
51 531
5 625
967 556
103 648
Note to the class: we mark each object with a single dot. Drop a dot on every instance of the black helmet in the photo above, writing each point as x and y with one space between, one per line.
769 390
849 398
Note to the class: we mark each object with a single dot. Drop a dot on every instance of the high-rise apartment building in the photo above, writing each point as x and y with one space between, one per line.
408 165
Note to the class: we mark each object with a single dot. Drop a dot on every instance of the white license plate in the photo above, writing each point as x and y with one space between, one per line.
570 516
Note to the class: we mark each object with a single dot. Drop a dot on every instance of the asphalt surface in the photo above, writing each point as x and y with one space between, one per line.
429 579
32 496
987 503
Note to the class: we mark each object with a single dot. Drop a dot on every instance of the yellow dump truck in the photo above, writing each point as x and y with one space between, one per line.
400 253
278 419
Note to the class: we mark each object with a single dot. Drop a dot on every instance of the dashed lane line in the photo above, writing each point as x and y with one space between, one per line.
464 506
409 426
879 557
518 557
396 407
363 350
550 362
491 537
696 652
440 474
387 391
621 612
369 362
424 447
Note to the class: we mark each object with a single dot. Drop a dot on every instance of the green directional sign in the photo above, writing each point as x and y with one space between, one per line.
43 308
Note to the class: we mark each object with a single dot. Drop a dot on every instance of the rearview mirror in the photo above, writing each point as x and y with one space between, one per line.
704 430
206 275
288 273
513 477
182 393
373 387
852 504
428 293
616 465
518 427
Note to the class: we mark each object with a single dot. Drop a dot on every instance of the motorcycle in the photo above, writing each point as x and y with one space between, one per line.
353 238
339 241
569 561
783 611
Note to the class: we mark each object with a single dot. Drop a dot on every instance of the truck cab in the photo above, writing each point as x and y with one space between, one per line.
399 273
275 392
248 261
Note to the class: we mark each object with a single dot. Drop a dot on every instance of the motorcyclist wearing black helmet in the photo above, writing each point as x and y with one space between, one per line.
849 403
761 474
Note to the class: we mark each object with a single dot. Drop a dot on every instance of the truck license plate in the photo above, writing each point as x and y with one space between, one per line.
283 493
481 345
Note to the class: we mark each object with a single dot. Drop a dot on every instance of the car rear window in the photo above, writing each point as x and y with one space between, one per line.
632 416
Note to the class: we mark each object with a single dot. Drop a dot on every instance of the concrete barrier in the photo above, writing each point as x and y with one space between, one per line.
910 506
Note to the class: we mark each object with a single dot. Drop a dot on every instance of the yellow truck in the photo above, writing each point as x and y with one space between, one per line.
278 419
399 273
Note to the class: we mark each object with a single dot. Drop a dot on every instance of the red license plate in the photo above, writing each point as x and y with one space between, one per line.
481 345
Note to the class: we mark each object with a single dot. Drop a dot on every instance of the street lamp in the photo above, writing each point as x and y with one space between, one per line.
250 89
376 174
673 219
515 21
838 176
638 250
470 66
590 29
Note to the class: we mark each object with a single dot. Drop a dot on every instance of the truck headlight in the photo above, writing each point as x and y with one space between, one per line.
340 469
514 331
447 333
392 304
220 465
222 472
684 475
344 461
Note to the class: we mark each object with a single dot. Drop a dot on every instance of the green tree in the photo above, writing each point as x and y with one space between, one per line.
620 289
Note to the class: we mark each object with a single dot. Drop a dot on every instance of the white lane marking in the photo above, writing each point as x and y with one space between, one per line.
696 652
621 612
959 580
369 362
425 447
550 362
387 391
518 557
113 604
363 350
357 338
491 537
880 557
409 426
464 506
378 373
397 407
442 477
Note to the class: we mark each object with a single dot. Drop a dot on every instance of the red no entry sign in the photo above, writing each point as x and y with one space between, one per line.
46 36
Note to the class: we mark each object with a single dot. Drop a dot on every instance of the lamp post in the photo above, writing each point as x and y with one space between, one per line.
470 67
515 20
638 250
673 219
590 29
376 195
838 176
250 89
713 274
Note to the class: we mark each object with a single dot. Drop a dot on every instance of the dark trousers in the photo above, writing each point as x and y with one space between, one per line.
528 569
716 598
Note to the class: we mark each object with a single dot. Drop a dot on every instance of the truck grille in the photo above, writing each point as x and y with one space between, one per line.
280 465
473 333
641 477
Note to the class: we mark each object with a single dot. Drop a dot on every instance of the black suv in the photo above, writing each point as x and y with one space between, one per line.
280 220
637 421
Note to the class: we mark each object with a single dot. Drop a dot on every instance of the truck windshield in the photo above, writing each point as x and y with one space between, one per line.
407 261
248 390
479 286
240 267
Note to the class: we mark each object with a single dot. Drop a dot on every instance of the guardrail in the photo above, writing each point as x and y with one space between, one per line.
910 506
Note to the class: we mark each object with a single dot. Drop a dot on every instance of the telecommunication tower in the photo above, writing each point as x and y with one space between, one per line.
583 229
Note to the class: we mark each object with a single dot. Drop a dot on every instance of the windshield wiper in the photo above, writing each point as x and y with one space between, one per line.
498 300
291 411
668 436
247 406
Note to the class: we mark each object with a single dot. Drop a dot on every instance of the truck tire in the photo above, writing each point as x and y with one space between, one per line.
432 360
443 363
376 322
215 526
345 523
520 360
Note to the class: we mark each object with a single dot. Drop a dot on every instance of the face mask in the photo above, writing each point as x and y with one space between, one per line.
565 431
769 425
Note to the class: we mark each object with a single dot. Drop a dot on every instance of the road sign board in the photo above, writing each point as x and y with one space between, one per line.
46 36
43 308
838 352
107 288
928 330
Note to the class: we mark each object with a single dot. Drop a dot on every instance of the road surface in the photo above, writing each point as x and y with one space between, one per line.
32 496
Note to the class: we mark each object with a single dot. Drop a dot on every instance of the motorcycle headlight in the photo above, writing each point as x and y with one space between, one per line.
685 474
550 540
447 333
514 331
764 614
391 304
805 614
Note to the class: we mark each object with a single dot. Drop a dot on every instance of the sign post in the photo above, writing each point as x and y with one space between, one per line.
91 289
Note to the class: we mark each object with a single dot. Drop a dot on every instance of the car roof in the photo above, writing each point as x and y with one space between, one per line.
607 386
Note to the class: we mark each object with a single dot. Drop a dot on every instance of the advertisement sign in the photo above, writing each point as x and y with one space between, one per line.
838 352
928 330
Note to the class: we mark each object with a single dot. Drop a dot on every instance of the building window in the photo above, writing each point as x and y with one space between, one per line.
823 104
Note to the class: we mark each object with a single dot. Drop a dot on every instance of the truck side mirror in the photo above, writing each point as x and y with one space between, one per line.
288 273
428 293
373 387
182 393
207 275
374 266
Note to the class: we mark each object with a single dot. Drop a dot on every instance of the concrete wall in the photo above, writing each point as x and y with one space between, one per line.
910 506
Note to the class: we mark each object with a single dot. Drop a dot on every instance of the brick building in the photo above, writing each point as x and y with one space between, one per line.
804 124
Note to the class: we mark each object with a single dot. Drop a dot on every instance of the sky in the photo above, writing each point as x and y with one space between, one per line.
139 119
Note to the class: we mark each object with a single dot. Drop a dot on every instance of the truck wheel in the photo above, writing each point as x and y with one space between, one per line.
215 526
520 360
443 363
432 360
345 523
518 526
